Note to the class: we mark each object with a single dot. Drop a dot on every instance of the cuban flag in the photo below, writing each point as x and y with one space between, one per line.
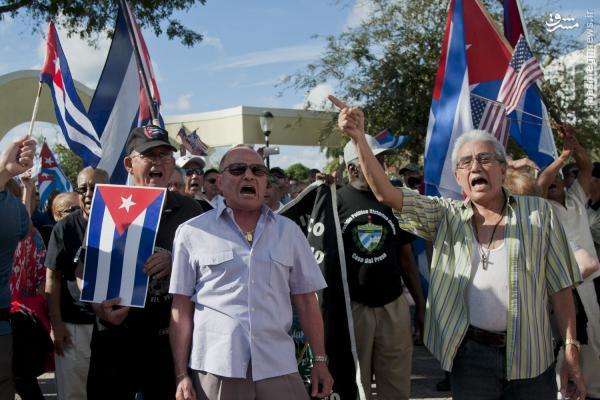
121 234
50 178
474 60
115 107
193 143
387 139
530 126
70 113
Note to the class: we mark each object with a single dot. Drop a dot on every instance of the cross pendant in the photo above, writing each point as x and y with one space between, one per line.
484 261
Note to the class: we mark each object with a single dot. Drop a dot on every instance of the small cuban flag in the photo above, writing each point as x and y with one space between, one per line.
387 139
121 233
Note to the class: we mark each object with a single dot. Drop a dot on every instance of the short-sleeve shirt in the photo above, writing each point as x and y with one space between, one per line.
372 239
15 225
28 266
65 241
242 291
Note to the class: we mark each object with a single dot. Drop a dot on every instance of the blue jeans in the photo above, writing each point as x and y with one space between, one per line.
479 372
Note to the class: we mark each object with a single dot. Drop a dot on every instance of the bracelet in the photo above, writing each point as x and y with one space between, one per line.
181 375
574 342
323 359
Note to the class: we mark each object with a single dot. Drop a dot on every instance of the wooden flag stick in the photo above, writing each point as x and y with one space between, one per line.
35 109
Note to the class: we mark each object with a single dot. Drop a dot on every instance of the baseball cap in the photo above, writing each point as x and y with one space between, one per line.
410 167
350 153
181 162
144 138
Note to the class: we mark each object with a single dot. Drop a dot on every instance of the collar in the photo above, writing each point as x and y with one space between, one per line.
222 207
466 204
171 202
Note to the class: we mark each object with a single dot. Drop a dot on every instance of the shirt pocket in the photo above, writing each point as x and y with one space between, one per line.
213 265
281 268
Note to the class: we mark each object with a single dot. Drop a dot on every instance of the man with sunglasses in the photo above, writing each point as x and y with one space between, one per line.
210 187
72 321
130 347
237 270
497 261
193 167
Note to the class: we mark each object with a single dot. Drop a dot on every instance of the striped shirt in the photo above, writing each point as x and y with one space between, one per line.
540 264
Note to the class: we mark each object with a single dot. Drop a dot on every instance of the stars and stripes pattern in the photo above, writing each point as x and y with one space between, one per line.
523 70
490 116
193 143
50 178
71 115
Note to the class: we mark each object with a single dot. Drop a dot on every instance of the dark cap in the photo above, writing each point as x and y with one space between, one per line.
596 170
144 138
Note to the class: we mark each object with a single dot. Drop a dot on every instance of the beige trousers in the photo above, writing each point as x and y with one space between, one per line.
73 366
384 346
214 387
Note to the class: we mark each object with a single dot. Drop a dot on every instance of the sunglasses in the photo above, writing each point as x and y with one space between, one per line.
192 171
237 169
212 181
82 190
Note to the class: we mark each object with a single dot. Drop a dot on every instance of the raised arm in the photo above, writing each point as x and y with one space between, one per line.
352 122
547 176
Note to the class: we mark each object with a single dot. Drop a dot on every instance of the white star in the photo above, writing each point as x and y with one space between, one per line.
126 203
49 161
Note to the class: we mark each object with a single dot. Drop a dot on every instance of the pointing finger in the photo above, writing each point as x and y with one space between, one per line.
337 102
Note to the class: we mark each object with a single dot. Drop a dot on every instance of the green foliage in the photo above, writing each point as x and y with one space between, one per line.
87 18
388 64
68 161
297 172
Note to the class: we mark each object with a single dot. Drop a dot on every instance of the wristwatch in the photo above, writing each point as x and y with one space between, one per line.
574 342
323 359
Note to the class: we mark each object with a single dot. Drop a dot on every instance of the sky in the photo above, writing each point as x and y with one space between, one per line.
248 47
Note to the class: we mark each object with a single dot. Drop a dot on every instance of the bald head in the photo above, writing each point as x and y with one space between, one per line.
239 149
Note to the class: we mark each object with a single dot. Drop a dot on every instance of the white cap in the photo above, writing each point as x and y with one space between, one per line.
350 151
182 161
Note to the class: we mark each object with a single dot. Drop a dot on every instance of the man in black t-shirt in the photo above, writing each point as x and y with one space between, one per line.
378 258
72 321
130 346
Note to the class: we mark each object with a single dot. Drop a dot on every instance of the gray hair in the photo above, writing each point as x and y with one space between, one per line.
477 136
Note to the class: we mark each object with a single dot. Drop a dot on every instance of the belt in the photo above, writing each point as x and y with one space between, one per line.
486 337
4 314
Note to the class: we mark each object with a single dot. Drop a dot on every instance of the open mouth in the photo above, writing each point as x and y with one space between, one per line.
248 191
155 175
552 186
478 182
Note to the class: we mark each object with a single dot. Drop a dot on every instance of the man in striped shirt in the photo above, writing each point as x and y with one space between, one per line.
497 261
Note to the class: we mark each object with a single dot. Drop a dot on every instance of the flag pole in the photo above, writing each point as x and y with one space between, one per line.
138 59
35 109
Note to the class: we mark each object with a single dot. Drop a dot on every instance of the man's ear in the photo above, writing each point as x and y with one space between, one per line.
128 164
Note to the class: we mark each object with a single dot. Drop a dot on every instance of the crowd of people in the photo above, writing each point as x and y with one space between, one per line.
510 305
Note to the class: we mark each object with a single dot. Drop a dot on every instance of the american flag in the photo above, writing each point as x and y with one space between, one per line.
490 116
192 143
523 70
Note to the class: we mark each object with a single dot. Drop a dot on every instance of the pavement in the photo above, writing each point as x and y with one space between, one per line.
426 373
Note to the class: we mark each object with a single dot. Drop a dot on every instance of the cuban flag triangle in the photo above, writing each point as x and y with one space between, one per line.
121 234
387 139
118 106
70 113
51 178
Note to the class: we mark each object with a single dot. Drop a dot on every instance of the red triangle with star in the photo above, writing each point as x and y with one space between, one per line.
126 203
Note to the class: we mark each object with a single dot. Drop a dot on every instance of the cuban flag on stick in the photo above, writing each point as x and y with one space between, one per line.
70 113
51 178
117 106
387 139
121 234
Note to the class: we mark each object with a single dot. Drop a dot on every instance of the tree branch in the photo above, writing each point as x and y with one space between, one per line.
13 7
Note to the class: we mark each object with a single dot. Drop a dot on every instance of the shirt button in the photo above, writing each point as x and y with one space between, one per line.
252 281
253 309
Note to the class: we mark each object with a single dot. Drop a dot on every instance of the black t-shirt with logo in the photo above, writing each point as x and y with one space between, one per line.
65 241
372 239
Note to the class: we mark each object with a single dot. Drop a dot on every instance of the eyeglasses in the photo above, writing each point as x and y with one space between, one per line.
157 159
212 181
192 171
83 190
482 159
237 169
